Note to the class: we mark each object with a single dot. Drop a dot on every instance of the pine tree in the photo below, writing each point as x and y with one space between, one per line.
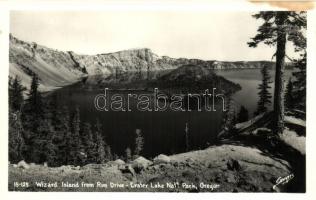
34 109
115 156
55 114
35 100
108 152
186 132
100 154
299 84
229 115
128 154
88 143
76 152
264 94
45 150
289 99
243 115
277 28
16 90
139 143
32 116
16 140
100 151
59 119
63 138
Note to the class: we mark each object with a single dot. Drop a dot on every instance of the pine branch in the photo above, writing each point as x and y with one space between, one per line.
288 57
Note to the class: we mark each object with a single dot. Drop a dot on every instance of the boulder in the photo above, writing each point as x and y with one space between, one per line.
127 169
33 165
165 166
91 166
119 162
141 163
231 178
76 168
175 163
22 164
162 159
233 165
189 160
64 168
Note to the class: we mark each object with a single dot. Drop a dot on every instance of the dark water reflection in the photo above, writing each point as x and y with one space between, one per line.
164 132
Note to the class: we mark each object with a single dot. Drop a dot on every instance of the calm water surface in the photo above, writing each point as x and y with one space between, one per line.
164 132
249 79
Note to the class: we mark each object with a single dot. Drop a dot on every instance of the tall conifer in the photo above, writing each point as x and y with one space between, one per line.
264 94
279 27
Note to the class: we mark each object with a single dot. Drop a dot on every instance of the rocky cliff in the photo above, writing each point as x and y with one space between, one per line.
54 68
58 68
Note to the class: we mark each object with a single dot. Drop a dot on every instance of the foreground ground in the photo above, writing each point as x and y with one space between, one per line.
225 168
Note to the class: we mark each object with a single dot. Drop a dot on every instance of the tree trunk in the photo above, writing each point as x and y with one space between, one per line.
279 73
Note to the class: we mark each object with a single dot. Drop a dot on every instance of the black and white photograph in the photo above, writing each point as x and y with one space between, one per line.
157 101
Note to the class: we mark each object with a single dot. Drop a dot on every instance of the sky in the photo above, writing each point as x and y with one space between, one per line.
190 34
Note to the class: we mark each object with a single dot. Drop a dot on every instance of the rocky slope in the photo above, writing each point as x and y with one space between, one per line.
58 68
225 168
54 68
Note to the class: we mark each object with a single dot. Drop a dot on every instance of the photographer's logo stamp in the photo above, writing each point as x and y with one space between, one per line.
282 181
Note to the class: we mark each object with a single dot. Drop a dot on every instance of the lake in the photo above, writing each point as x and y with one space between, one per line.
164 132
249 79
